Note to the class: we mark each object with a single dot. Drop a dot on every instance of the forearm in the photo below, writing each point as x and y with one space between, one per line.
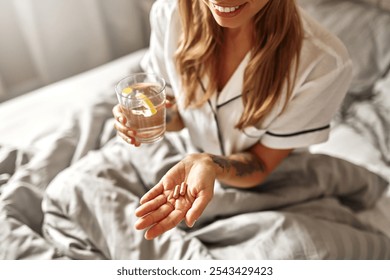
242 170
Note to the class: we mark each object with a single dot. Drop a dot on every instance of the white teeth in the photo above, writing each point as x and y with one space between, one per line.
225 9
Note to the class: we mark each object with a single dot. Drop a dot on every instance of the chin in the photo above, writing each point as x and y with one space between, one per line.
227 23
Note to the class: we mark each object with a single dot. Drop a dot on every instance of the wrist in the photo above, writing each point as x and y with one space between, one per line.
218 164
204 159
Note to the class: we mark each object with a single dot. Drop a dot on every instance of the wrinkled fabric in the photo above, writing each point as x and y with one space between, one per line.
305 210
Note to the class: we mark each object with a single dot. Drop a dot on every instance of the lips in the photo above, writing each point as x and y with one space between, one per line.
227 10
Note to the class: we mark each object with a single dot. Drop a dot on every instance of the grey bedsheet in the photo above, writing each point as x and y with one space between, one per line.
26 172
305 210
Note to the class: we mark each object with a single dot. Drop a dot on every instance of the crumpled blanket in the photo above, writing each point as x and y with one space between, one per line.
72 195
305 210
25 174
368 115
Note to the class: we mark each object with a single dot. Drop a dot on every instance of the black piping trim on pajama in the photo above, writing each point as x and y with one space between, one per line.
299 132
276 134
220 138
230 100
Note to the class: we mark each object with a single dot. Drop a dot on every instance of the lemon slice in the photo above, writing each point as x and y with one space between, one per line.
148 104
127 90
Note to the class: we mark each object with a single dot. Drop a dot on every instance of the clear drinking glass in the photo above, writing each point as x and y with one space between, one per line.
142 99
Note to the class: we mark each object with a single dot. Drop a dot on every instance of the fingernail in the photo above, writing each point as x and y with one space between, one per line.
120 119
131 133
193 224
129 140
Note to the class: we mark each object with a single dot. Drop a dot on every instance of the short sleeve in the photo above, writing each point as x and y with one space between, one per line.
155 59
307 118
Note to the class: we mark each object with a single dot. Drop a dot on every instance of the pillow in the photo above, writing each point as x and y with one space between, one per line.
364 29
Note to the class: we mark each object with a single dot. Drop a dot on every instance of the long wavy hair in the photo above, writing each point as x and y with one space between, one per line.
271 71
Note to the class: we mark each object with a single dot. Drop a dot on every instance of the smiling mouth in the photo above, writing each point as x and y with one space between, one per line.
227 10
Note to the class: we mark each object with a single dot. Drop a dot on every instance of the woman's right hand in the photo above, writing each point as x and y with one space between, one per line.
126 133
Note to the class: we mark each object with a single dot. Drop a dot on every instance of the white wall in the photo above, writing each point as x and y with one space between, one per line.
48 40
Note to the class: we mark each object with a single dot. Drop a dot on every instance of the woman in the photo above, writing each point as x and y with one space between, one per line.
253 80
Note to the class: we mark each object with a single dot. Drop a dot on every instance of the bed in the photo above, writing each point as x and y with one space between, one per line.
331 201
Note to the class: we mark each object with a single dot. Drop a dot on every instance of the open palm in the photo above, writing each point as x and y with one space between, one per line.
162 208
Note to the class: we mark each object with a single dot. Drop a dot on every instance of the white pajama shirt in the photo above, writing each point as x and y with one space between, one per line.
323 78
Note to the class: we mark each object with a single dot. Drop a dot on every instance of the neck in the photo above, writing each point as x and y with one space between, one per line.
237 42
240 36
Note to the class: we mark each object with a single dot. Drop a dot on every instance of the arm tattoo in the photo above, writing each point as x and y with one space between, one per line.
248 165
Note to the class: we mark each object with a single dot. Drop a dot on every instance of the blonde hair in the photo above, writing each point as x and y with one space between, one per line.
277 41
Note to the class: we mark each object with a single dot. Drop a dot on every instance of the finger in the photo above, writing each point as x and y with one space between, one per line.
125 130
150 206
196 210
154 217
128 139
118 114
173 219
120 125
168 104
170 101
152 193
137 144
128 134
